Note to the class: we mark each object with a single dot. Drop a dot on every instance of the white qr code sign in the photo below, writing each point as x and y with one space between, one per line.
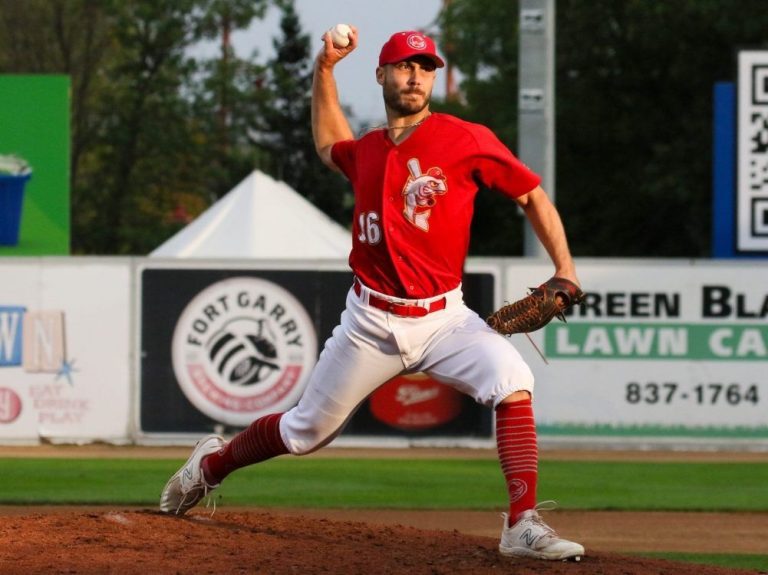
752 191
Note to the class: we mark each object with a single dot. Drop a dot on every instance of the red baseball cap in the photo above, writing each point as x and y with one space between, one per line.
404 45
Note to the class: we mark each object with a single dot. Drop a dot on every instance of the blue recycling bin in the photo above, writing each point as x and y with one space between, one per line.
11 203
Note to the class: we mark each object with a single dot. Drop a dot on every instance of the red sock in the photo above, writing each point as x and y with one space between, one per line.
259 442
518 454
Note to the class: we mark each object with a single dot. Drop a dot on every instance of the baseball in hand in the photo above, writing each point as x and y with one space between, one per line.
340 35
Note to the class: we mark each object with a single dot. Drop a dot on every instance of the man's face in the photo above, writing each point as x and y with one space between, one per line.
407 85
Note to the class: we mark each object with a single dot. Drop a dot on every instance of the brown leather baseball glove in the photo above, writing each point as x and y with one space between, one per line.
538 308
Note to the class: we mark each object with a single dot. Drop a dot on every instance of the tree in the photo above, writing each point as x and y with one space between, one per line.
142 127
635 109
634 82
228 94
141 155
480 39
60 36
282 123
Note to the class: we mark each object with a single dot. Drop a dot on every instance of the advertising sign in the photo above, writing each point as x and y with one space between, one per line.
243 347
658 349
222 347
65 351
34 127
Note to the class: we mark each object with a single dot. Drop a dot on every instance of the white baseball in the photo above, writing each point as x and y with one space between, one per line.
340 35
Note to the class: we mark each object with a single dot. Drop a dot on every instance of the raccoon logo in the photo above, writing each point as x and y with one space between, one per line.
243 347
243 351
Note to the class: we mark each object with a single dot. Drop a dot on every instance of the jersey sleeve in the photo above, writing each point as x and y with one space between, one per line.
343 155
498 168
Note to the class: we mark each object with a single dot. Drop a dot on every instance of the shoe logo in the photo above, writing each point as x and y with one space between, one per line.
187 473
529 537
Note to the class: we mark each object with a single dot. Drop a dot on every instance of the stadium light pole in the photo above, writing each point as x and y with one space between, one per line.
536 101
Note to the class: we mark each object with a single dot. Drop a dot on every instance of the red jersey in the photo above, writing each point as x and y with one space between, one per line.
414 201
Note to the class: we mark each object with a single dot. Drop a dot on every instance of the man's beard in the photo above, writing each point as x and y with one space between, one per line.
405 107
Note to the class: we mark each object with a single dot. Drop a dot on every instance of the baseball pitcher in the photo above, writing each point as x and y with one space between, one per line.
414 180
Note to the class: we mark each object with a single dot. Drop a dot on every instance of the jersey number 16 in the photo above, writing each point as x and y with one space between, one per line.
370 231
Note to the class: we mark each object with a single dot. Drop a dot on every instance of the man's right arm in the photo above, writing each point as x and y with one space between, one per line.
329 124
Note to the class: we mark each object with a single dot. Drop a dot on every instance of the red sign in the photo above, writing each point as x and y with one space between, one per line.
415 402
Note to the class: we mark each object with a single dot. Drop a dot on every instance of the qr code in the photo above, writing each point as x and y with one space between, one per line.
752 195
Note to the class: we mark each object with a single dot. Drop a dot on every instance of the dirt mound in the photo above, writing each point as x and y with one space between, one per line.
144 542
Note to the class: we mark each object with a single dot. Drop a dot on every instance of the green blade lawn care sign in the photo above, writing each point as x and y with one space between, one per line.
666 350
34 165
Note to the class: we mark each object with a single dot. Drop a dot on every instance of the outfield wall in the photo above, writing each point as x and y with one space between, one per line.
664 353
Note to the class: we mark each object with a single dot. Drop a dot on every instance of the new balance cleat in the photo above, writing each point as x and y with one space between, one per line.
187 486
531 537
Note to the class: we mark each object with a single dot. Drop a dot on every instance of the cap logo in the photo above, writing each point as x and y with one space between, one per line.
417 42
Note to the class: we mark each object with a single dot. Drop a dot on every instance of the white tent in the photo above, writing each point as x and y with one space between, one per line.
260 218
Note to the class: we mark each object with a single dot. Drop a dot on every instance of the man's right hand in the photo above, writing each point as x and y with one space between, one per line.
330 55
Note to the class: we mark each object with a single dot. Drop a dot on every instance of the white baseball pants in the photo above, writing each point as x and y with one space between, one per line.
370 346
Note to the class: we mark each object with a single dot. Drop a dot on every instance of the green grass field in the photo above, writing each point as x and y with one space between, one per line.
408 484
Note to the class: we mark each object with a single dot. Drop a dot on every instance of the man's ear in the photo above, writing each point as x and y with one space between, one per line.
380 75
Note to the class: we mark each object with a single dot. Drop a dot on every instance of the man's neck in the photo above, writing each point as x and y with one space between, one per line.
398 122
400 127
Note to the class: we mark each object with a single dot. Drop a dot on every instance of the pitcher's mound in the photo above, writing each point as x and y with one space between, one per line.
148 543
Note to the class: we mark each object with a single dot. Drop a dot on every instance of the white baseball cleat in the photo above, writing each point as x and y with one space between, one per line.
531 537
187 486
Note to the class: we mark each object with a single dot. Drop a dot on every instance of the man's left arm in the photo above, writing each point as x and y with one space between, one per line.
548 227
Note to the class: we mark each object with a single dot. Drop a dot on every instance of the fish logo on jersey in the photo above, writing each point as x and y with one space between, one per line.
420 193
